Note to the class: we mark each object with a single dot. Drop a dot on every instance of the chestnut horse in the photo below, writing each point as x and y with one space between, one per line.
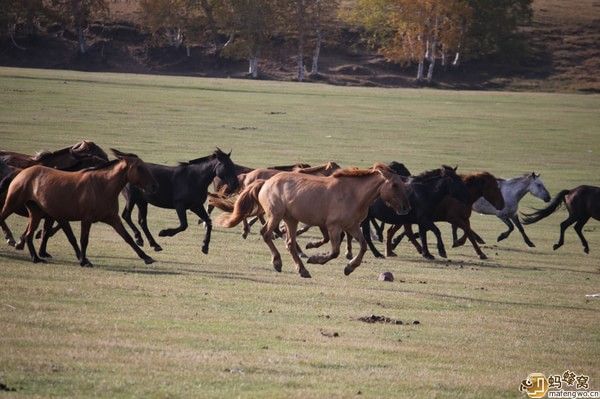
338 203
90 196
457 213
582 202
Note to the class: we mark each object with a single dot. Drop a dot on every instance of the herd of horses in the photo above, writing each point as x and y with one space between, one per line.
80 183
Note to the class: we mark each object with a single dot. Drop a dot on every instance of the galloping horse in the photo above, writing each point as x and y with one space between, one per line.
457 213
512 190
181 188
425 193
582 202
79 156
90 195
343 201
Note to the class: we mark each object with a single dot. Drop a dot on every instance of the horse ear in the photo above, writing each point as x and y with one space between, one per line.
534 175
229 153
121 155
456 168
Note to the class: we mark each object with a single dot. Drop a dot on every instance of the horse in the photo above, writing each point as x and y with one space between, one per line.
425 192
343 201
513 190
457 213
90 195
582 202
79 156
181 188
65 158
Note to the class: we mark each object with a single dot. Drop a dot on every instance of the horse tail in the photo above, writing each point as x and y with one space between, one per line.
246 205
539 214
221 201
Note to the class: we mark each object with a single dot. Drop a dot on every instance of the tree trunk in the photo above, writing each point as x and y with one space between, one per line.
300 10
253 66
315 60
188 51
81 38
77 10
210 22
431 61
420 71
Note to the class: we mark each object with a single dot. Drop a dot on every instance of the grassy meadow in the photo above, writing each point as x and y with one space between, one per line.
226 324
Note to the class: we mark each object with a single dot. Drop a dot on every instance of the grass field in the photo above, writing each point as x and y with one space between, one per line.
226 324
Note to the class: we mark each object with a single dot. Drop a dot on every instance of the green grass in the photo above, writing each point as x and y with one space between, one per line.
226 324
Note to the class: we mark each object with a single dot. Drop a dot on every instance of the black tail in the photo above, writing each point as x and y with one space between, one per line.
539 214
6 182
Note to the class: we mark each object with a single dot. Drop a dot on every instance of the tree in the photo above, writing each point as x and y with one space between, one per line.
13 12
78 13
252 23
415 30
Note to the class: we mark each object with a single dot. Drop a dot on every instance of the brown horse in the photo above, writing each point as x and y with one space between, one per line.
90 196
338 203
79 156
457 213
582 202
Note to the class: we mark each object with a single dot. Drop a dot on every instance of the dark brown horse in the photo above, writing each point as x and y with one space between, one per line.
582 202
457 213
90 196
337 203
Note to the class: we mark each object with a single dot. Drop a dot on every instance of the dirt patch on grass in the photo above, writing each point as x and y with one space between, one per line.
385 320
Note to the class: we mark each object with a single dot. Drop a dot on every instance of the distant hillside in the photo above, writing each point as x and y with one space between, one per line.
563 39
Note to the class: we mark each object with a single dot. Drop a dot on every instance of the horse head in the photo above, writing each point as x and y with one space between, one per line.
537 188
87 149
138 173
399 168
225 170
454 183
393 190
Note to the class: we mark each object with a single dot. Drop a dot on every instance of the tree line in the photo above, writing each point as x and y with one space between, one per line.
426 33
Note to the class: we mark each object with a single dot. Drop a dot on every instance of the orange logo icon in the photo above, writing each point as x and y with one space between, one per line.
535 386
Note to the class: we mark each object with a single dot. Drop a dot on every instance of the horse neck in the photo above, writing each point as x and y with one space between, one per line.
516 188
58 159
205 171
113 178
366 188
475 190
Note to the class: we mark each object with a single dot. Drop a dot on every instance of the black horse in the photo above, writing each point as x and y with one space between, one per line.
582 202
425 192
181 188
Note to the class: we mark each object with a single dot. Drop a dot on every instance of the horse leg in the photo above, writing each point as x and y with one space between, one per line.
335 236
115 222
201 212
303 229
292 246
126 215
321 242
48 222
517 223
267 234
181 214
66 228
507 232
357 260
35 215
440 242
389 246
348 246
423 227
85 236
579 230
466 226
378 229
412 237
143 222
563 226
366 230
10 240
246 228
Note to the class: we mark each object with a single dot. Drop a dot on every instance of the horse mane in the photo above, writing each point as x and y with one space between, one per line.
314 169
74 149
287 168
105 165
355 172
433 173
207 158
45 154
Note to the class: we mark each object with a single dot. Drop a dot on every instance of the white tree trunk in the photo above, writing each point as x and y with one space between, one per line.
456 61
420 71
188 51
81 39
431 61
253 66
315 60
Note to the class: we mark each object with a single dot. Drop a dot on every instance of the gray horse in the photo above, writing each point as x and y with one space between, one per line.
512 190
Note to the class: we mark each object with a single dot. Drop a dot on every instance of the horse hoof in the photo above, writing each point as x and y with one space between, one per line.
501 237
483 257
428 256
443 254
139 242
348 270
45 255
204 250
586 250
85 263
20 245
163 233
310 245
149 260
555 247
530 244
390 254
312 259
304 273
380 256
349 255
11 242
157 248
39 260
